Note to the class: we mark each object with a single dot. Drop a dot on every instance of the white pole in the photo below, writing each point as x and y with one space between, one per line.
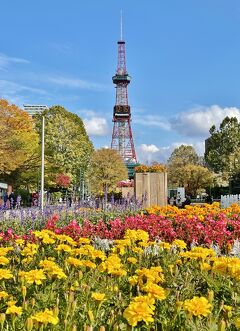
42 172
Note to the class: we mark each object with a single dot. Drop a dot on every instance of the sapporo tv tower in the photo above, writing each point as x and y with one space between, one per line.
122 138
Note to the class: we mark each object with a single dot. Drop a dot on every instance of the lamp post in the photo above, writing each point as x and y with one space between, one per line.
42 163
33 110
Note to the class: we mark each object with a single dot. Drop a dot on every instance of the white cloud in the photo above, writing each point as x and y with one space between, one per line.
149 153
96 126
152 120
76 83
151 149
6 60
198 121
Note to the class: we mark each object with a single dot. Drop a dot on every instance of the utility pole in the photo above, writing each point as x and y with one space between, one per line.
33 110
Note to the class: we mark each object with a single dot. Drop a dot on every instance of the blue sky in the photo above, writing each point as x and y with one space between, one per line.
183 56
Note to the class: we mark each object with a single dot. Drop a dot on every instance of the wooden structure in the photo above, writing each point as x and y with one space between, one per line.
153 187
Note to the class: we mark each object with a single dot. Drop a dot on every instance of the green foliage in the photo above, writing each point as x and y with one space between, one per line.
67 145
185 171
223 148
106 170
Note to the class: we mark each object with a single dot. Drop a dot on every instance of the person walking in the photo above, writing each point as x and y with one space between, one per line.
5 200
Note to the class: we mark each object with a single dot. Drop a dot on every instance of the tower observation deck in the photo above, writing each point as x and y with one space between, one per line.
122 137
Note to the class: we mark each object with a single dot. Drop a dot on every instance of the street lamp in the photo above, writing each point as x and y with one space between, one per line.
33 110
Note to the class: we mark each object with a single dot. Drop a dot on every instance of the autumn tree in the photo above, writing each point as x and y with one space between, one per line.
222 153
185 170
106 170
18 143
67 146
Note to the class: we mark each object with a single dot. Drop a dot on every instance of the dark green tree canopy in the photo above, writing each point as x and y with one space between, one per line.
222 152
67 145
182 156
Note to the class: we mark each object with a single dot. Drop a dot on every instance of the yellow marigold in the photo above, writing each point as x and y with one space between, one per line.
84 241
65 238
5 250
30 250
52 269
136 235
45 317
20 242
4 260
5 274
89 264
237 322
33 276
138 311
205 266
179 243
132 260
137 250
14 310
97 254
75 262
155 291
133 280
48 240
98 296
165 245
11 303
63 247
198 306
3 295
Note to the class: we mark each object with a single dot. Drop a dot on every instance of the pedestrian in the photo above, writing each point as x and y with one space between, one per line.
5 200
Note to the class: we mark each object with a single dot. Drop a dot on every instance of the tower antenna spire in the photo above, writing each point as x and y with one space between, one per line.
121 26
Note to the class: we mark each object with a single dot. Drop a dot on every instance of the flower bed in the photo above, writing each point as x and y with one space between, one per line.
208 225
57 283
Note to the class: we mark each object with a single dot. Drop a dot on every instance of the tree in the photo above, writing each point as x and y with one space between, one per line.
182 156
18 143
67 146
106 170
185 171
222 152
196 177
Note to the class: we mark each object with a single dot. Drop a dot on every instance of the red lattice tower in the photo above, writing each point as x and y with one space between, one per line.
122 138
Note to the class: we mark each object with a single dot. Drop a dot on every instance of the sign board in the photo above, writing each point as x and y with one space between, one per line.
3 186
34 109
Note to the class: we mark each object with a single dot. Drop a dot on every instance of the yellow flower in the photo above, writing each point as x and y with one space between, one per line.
84 241
237 322
98 296
132 260
139 310
11 303
75 262
45 317
33 276
5 250
165 245
4 260
3 295
154 290
89 264
198 306
20 242
5 274
179 243
63 247
48 240
14 310
30 250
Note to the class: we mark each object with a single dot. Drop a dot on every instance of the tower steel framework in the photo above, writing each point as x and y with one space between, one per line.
122 137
